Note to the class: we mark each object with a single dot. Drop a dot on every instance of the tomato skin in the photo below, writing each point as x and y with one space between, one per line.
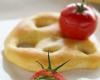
39 73
56 75
77 25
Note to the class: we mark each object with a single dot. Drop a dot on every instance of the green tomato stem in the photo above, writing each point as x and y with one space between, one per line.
49 62
80 8
82 4
50 66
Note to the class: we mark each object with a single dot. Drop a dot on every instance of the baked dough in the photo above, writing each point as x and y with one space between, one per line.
33 37
94 1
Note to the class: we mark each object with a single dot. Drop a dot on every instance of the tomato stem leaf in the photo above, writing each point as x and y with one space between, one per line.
80 8
40 64
60 65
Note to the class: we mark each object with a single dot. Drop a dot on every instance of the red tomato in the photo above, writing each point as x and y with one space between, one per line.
55 75
75 24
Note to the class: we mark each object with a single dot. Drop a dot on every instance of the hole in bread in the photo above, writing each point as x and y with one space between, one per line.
54 39
51 44
51 49
45 21
85 52
25 45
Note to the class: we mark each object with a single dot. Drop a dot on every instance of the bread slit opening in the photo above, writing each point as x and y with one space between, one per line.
43 21
25 45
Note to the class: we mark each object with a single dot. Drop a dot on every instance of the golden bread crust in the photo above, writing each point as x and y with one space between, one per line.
94 1
33 37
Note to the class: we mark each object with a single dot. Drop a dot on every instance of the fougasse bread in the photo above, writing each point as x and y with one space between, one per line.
33 37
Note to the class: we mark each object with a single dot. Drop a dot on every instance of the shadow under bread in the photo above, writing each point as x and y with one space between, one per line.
15 72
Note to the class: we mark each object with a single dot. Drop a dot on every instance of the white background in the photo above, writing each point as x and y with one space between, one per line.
11 9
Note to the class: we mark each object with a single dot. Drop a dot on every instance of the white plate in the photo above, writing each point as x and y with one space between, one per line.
9 71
